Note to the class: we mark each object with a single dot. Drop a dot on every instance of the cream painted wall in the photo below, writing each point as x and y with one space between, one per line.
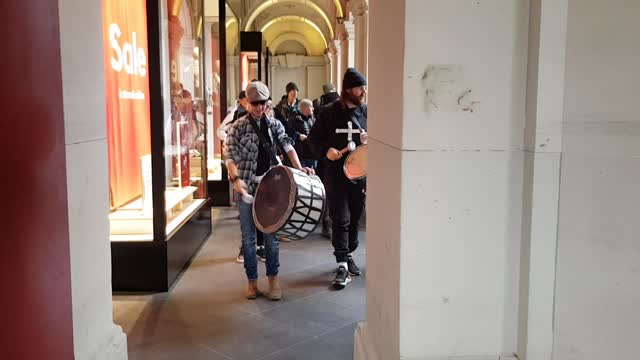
597 290
282 76
464 114
310 74
94 334
316 77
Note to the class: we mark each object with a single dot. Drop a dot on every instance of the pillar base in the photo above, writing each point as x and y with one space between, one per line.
363 348
115 348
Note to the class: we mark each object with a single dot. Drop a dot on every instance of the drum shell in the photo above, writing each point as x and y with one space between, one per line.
307 202
360 154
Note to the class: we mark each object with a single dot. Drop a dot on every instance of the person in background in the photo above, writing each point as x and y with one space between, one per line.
240 111
301 123
329 96
288 105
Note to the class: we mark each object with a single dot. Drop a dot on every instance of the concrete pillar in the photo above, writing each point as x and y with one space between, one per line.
334 64
337 64
345 35
360 12
543 144
446 123
598 256
95 335
349 44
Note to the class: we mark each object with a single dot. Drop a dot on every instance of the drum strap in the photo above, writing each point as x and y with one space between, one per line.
265 144
355 121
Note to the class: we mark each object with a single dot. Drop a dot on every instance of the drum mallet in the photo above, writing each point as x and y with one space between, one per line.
350 147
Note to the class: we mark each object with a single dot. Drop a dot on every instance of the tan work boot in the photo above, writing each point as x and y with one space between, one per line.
252 289
275 293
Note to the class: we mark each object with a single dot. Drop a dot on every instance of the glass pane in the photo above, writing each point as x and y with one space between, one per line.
128 119
233 65
185 103
214 118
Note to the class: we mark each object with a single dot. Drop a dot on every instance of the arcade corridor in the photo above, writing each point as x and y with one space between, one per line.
205 315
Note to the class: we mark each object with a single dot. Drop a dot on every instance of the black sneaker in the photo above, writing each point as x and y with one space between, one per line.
353 268
262 254
342 278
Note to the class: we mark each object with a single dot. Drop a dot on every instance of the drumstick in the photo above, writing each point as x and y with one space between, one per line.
350 147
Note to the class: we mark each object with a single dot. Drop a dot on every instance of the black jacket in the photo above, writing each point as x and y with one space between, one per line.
323 133
285 111
324 101
302 124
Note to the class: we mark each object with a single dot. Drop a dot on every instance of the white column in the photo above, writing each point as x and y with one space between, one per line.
598 258
337 64
543 141
94 334
334 64
349 44
446 123
360 12
344 34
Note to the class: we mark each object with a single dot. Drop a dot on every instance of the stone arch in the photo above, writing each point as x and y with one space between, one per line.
290 36
258 9
292 18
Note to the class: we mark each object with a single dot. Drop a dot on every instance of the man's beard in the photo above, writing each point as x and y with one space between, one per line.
355 100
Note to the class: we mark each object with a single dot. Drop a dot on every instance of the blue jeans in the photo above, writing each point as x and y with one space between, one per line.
271 244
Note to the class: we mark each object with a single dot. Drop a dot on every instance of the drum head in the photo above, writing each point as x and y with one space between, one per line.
274 199
355 166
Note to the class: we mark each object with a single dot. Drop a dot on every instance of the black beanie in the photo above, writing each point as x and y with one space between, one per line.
291 86
353 78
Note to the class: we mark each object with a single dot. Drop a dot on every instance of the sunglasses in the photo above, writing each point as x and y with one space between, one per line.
261 102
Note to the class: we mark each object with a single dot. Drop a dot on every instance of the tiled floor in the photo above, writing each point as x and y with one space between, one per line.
205 315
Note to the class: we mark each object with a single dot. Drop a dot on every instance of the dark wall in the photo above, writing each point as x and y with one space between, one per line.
35 301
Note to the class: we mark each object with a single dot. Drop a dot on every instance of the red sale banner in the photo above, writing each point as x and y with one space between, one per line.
127 96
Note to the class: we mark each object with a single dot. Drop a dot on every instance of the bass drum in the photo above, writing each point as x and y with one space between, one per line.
288 202
355 165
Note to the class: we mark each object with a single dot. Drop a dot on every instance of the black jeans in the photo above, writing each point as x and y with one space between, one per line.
346 203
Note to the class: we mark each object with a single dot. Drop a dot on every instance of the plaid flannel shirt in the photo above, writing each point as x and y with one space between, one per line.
242 144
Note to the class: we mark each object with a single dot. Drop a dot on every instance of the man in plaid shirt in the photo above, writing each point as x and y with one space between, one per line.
247 162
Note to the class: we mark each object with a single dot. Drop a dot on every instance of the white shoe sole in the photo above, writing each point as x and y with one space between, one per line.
342 285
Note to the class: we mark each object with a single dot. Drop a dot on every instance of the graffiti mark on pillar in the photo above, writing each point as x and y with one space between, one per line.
446 89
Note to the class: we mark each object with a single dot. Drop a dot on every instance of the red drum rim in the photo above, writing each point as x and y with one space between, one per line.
349 174
266 196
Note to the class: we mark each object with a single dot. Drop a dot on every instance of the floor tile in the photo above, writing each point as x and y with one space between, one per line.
205 315
313 316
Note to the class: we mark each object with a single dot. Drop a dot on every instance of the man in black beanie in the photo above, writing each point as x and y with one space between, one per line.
329 135
288 105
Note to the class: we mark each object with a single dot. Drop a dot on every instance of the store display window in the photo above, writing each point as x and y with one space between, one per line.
129 123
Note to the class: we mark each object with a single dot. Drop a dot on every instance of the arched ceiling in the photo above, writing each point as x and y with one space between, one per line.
288 37
233 35
298 26
270 9
311 22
